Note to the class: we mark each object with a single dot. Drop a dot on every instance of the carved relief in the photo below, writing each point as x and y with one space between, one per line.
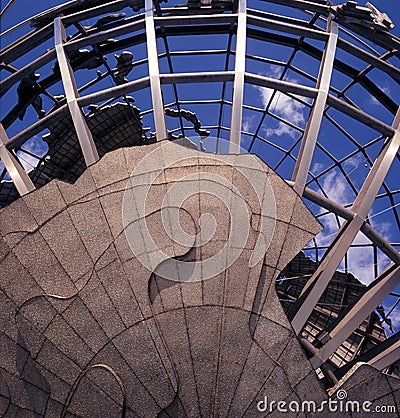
92 330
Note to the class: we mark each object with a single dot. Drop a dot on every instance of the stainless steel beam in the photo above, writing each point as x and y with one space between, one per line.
284 86
374 61
18 175
359 115
287 28
386 357
73 44
92 12
6 7
44 59
127 28
238 84
83 133
197 19
376 176
38 36
154 73
106 94
317 284
36 128
274 16
304 5
116 91
205 77
27 42
313 126
377 291
348 215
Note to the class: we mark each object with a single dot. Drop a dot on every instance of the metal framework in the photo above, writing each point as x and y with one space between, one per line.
347 233
303 162
238 85
298 102
350 320
17 173
154 73
71 92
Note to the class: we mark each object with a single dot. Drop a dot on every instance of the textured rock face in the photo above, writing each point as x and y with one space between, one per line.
87 330
370 388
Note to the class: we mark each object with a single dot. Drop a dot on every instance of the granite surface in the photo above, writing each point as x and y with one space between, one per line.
88 330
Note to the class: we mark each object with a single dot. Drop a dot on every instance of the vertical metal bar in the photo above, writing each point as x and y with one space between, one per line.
311 131
315 287
83 133
377 291
154 73
18 175
238 86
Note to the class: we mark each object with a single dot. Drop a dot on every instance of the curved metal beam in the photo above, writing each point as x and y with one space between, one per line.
348 215
316 285
346 324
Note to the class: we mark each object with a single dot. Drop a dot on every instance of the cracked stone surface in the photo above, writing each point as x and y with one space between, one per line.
87 330
366 384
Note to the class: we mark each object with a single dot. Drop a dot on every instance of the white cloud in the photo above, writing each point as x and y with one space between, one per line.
317 168
285 107
337 188
374 101
35 145
384 228
282 129
282 105
361 259
394 317
352 163
335 185
248 123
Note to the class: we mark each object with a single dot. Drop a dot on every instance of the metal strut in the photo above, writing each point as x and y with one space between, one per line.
154 73
238 85
82 130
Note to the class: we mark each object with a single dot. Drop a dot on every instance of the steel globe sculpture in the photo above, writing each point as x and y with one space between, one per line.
310 87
